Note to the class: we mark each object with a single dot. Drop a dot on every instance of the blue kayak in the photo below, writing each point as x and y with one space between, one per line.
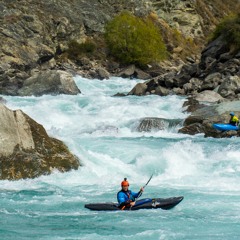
225 127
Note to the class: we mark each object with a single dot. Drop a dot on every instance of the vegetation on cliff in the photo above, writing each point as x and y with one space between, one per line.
229 28
134 40
76 49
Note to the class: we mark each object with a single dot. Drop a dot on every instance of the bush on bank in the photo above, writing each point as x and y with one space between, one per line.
131 39
229 28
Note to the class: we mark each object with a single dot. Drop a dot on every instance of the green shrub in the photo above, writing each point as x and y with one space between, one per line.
229 28
134 40
75 49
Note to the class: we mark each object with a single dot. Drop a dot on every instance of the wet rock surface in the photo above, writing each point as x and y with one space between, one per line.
156 124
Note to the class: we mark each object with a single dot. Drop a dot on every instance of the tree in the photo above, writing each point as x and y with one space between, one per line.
134 40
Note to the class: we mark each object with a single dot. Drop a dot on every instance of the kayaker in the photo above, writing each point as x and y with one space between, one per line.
125 197
233 120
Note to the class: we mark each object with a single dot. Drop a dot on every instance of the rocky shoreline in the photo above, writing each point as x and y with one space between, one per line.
213 83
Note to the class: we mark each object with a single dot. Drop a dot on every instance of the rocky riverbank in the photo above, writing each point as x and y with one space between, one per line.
214 81
36 36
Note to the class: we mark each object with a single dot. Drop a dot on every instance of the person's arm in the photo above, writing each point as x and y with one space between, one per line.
136 195
237 121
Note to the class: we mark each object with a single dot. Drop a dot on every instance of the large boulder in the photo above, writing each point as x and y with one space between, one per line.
133 72
213 51
153 124
211 81
230 86
26 150
49 82
208 96
99 73
139 90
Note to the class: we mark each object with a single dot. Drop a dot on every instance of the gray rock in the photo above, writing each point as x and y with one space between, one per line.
225 57
103 73
192 86
170 81
153 124
179 91
161 91
192 129
230 86
15 131
211 81
139 90
100 73
187 72
133 72
127 72
49 82
208 96
119 95
26 151
139 74
213 51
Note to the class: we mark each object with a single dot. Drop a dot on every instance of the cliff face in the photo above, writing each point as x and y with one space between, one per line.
34 33
195 19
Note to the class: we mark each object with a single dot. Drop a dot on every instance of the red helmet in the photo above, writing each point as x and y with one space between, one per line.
125 183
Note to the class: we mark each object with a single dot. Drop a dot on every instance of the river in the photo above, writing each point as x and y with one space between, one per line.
101 130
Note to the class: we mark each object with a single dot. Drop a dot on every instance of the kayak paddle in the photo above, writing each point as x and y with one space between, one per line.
144 187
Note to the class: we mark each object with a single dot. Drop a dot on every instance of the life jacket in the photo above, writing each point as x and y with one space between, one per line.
128 194
234 120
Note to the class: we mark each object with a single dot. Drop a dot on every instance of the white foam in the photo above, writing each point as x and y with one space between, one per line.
101 131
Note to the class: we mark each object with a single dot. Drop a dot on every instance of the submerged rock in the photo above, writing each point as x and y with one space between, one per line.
49 82
26 150
150 124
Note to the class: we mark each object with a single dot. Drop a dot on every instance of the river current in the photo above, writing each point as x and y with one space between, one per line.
102 131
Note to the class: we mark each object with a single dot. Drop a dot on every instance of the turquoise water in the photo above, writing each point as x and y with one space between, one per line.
101 131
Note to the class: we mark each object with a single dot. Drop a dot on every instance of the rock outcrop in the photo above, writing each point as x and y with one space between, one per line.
49 82
156 124
194 19
26 151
